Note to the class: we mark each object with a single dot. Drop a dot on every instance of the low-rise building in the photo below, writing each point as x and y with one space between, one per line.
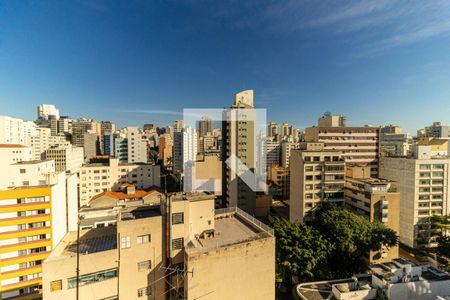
398 279
109 176
181 248
377 200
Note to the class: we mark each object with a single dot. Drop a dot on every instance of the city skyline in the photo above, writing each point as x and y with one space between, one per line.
132 63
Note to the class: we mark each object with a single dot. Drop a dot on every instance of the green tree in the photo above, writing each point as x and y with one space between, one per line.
299 251
352 237
441 225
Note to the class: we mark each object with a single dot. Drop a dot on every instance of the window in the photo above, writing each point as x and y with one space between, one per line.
178 218
177 244
142 239
144 265
56 285
92 278
126 242
146 291
22 171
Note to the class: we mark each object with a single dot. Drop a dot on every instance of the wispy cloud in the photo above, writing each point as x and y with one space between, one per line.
375 26
351 12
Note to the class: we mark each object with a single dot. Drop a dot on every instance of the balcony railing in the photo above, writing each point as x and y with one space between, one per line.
246 217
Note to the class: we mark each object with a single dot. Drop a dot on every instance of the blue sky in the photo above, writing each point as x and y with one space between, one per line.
135 62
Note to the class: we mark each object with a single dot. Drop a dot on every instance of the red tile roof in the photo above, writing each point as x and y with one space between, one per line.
11 146
121 195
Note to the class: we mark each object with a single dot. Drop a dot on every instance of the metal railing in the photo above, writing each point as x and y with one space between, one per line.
247 217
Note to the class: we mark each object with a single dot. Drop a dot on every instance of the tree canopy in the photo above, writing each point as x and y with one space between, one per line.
300 249
335 245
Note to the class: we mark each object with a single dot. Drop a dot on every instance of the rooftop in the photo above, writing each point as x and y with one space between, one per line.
123 196
91 241
31 162
373 181
322 290
397 271
191 196
140 212
232 227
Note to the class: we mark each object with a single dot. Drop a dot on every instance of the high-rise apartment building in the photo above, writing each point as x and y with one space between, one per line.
11 154
179 247
137 145
317 175
436 130
91 145
280 178
16 131
67 158
177 152
422 181
238 145
273 151
106 128
79 128
393 142
286 130
34 216
272 129
101 177
377 200
286 148
189 145
63 125
205 126
47 112
178 126
359 145
43 140
329 120
121 149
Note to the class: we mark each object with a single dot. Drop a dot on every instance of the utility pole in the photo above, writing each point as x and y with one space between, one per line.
119 245
78 258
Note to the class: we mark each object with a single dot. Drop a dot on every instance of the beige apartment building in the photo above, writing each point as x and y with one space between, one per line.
280 177
101 177
286 148
422 181
377 200
238 140
67 158
180 248
317 175
359 145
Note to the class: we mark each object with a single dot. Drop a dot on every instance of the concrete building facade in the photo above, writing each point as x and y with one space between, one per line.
377 200
423 185
316 175
100 177
359 145
183 241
